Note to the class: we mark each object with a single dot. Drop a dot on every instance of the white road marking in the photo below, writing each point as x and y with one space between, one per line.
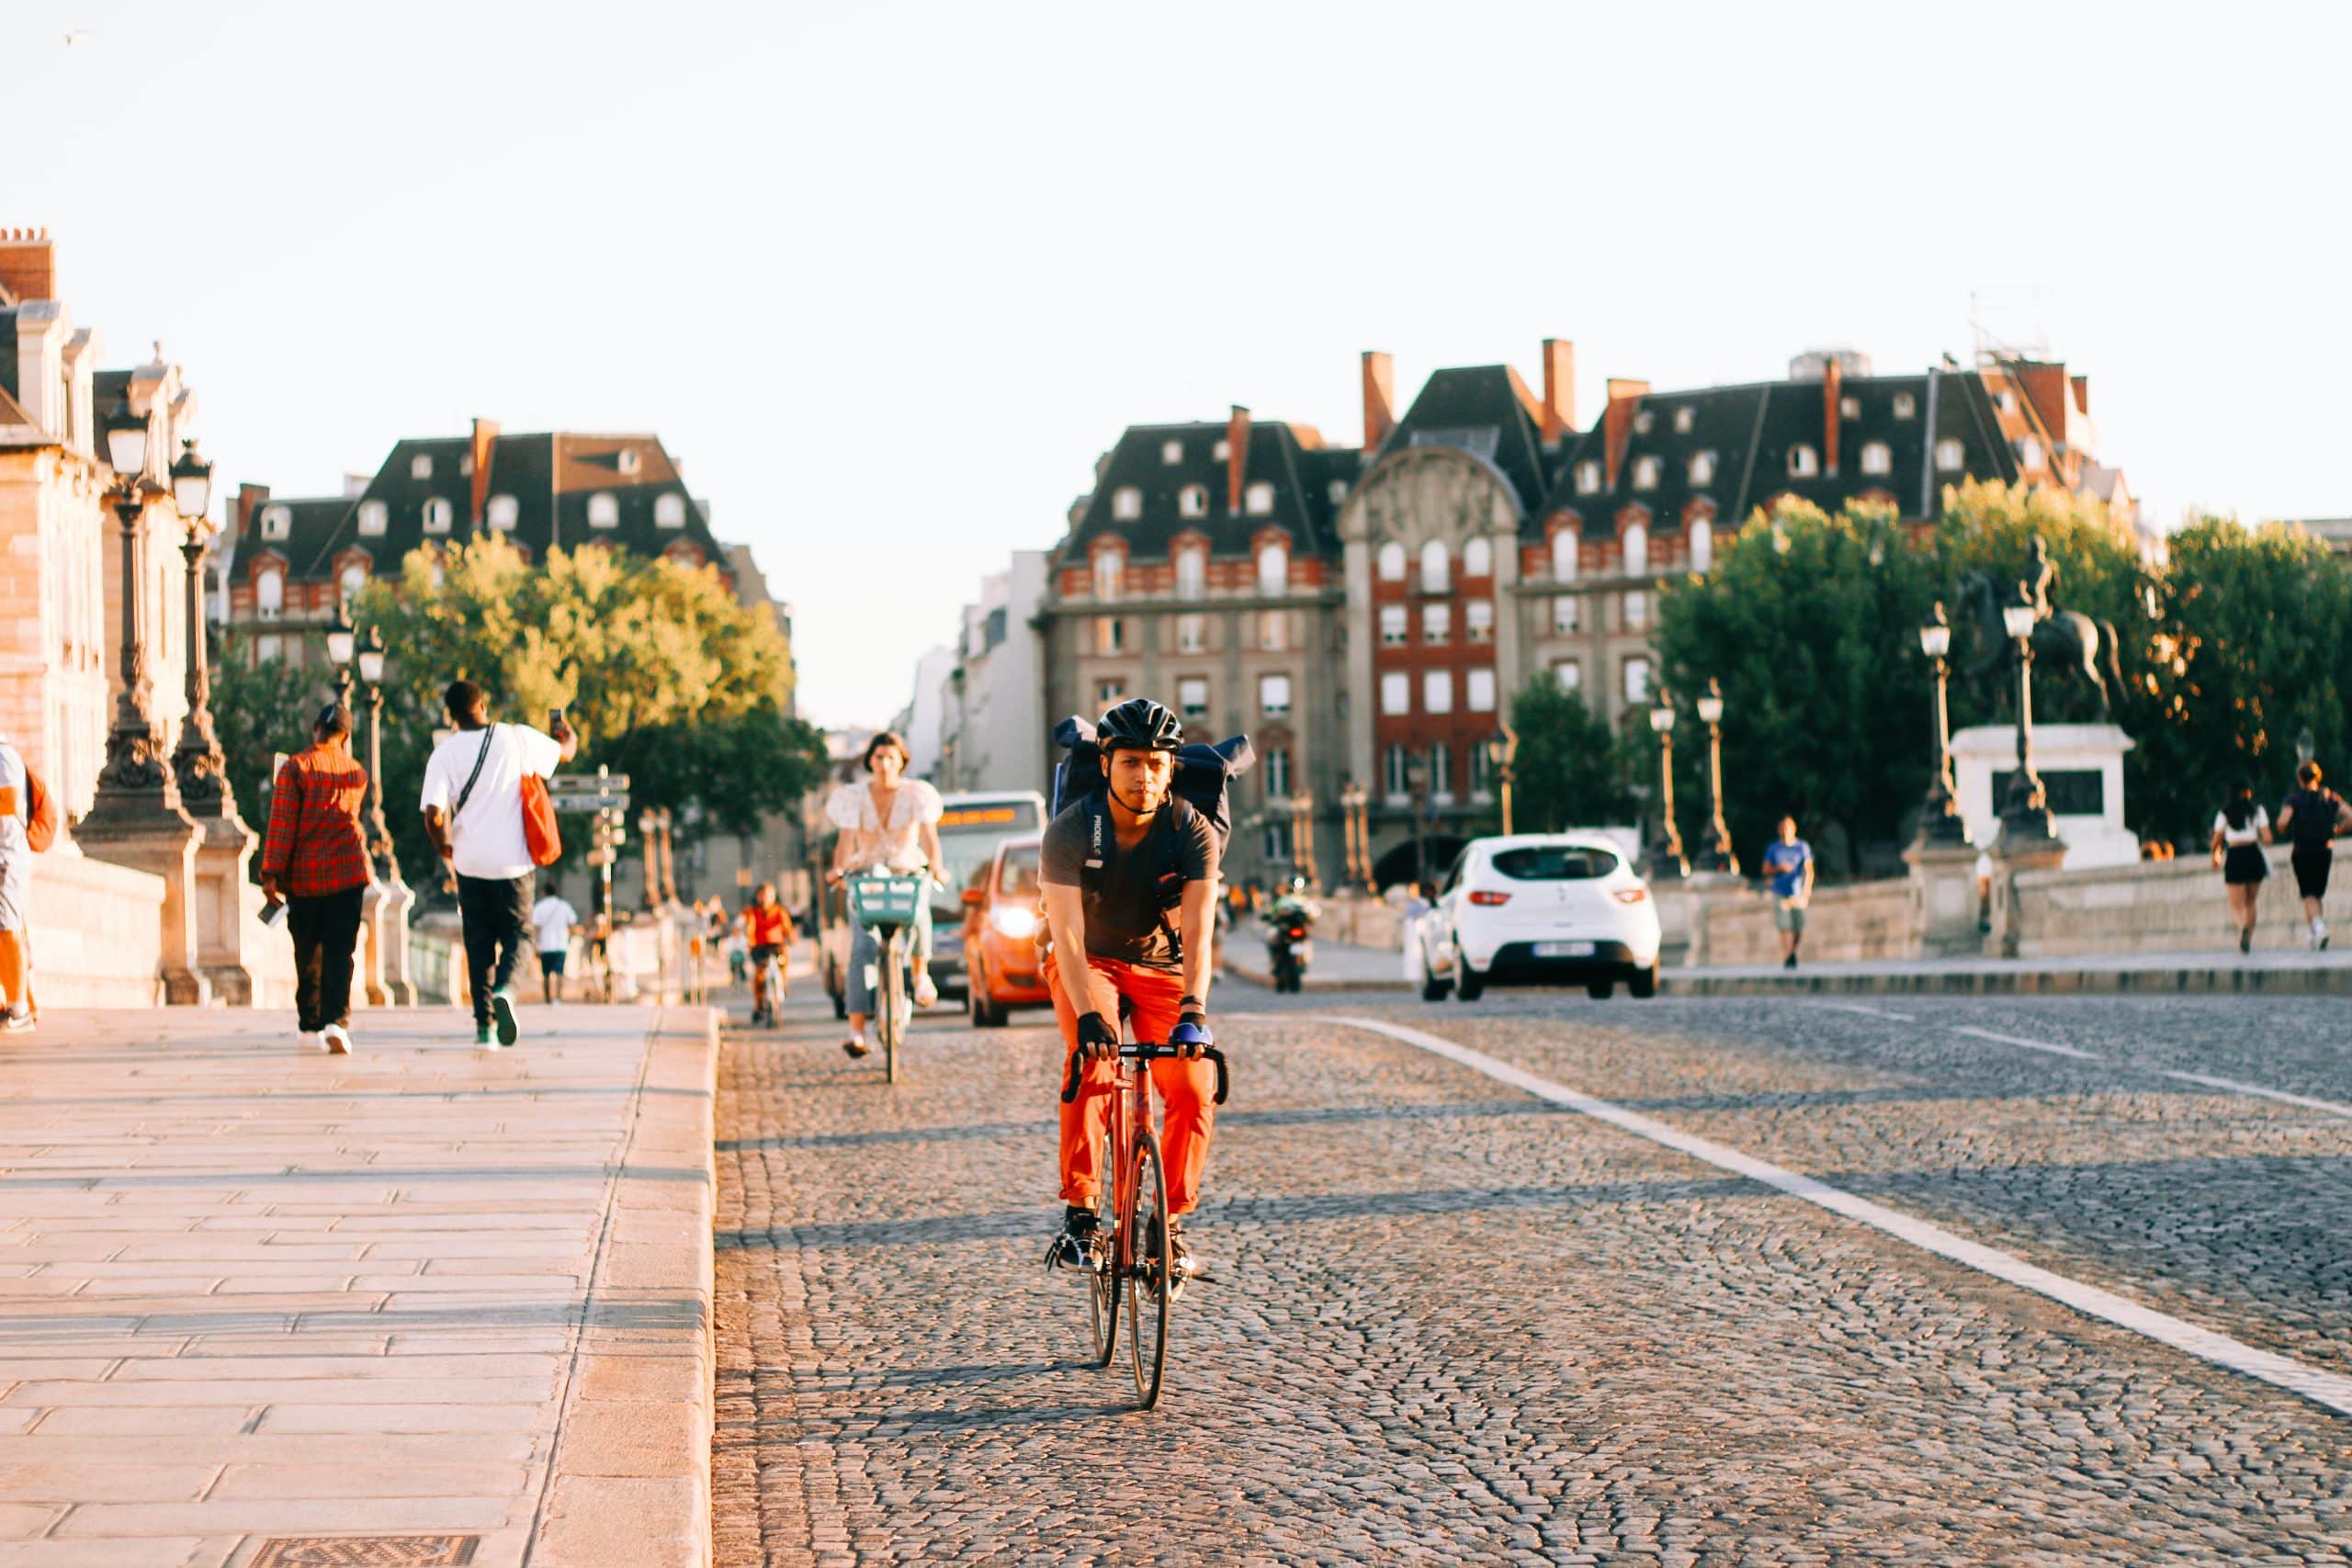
1870 1012
2333 1107
2019 1040
2330 1389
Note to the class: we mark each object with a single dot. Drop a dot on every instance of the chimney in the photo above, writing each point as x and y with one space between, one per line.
248 499
1559 389
1379 399
2045 388
485 443
1617 423
2082 395
28 263
1236 457
1833 386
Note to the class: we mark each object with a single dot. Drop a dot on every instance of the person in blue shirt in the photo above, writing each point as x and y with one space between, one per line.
1789 863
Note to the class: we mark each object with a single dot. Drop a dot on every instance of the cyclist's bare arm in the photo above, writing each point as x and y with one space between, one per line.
1065 917
1195 923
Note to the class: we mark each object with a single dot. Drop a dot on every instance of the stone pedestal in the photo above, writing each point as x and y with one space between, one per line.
224 855
1946 915
1693 894
2081 765
2008 860
385 920
141 830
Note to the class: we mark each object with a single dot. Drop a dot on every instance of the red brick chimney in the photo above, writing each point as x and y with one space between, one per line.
28 263
1236 457
485 443
1379 398
1559 389
248 499
2082 395
1833 386
1617 423
2045 387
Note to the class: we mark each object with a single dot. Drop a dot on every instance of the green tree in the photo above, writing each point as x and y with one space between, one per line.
1567 771
259 709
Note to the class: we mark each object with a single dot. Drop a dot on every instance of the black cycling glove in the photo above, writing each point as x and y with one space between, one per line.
1097 1041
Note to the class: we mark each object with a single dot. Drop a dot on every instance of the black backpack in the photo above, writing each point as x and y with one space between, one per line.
1203 783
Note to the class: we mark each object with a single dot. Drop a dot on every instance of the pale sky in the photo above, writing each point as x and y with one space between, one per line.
888 278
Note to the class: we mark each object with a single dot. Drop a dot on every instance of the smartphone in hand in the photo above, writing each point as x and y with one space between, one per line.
273 911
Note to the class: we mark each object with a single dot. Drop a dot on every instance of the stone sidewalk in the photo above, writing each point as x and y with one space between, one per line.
446 1300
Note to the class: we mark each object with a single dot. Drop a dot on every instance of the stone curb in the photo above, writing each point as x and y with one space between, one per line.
1313 982
630 1480
2197 980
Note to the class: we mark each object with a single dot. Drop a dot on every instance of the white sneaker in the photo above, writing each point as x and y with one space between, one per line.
337 1040
312 1040
926 994
2318 934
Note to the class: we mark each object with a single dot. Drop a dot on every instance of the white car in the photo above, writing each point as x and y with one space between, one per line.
1538 907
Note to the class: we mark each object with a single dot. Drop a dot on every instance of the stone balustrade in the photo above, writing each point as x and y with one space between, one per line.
96 940
2164 906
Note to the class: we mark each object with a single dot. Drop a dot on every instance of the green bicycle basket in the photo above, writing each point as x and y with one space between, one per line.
885 900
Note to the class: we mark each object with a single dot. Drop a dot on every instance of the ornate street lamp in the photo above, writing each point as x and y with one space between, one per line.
650 850
1502 750
135 763
201 764
339 649
1939 820
371 678
1718 854
1354 803
1667 863
1417 785
2025 815
1302 837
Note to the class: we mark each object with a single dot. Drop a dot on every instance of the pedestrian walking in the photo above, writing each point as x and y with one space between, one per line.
314 862
472 802
1788 860
2311 818
2240 832
28 825
554 919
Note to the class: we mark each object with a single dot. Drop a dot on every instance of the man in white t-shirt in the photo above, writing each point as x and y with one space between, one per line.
553 917
472 802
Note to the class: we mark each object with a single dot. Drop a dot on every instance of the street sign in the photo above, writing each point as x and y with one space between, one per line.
588 784
590 801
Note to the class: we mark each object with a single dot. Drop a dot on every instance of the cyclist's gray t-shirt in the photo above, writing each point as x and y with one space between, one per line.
1124 899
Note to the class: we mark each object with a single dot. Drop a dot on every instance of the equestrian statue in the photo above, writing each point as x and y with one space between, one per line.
2063 639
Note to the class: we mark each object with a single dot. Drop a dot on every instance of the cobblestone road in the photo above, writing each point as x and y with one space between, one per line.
1459 1325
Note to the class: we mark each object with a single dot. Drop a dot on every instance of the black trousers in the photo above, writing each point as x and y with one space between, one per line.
496 913
325 928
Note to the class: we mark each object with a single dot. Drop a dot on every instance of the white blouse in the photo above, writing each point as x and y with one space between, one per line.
2250 834
895 845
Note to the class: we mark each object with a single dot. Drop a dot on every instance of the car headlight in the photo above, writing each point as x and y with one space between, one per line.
1015 921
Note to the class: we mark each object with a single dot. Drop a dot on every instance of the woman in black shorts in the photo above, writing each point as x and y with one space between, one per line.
2240 832
2311 818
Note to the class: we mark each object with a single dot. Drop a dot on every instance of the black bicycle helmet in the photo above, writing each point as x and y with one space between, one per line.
1138 725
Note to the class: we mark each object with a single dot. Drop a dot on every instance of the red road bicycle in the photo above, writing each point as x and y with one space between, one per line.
1130 1254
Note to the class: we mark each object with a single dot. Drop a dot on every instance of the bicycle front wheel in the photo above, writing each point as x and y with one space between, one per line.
1102 1268
890 1018
1149 1279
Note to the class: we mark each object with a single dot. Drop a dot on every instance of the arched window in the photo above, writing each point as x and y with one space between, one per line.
1192 500
1702 468
277 521
1877 457
1192 572
1477 559
1646 473
603 510
501 511
1258 501
1948 456
1437 568
1703 545
1565 544
1637 549
269 594
1803 462
1273 569
436 516
354 579
1127 503
1588 477
374 517
1904 406
1392 562
1108 570
670 511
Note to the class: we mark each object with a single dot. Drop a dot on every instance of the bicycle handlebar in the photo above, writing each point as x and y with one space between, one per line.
1138 1051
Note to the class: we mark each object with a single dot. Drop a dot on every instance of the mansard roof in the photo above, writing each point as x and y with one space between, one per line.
1292 459
1484 409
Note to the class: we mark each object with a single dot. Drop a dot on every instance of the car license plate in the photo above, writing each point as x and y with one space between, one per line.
1564 950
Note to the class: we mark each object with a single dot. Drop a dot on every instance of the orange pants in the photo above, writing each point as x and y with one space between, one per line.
1188 1089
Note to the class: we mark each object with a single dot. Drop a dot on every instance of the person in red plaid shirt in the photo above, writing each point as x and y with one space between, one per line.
316 862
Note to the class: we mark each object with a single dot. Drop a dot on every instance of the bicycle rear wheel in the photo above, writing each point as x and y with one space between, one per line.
1102 1268
1147 1280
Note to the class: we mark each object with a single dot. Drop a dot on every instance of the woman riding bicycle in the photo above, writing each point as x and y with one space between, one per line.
887 824
1130 882
767 927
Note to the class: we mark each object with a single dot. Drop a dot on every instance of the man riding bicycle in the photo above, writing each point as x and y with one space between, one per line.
767 928
1130 890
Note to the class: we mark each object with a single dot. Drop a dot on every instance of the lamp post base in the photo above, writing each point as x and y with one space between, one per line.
145 831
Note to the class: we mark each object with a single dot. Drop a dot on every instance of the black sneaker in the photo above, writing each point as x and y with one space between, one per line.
1790 962
1070 1247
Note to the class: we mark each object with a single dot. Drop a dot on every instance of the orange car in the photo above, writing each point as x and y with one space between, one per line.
1001 925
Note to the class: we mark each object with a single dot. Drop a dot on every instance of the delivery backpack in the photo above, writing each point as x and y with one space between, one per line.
1203 783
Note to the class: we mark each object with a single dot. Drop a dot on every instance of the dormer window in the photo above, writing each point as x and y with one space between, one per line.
2028 452
627 460
1339 492
1684 417
1392 562
501 512
421 466
1221 451
277 521
1563 555
1172 452
1803 462
1258 501
1273 569
1948 456
1109 569
1850 407
1906 405
1703 545
1643 422
1192 500
1877 457
1646 473
374 517
1702 468
1477 559
269 594
1192 572
1637 550
670 511
2007 401
436 515
604 510
1588 477
354 579
1127 503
